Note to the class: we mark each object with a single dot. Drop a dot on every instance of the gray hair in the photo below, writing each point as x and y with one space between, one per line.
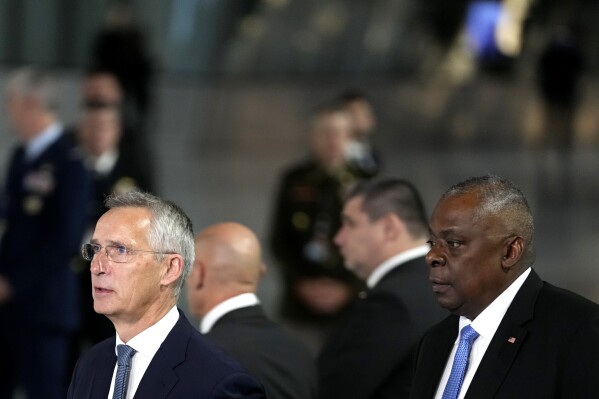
170 230
499 197
400 197
36 83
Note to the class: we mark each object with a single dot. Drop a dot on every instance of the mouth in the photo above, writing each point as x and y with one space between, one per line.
439 285
101 290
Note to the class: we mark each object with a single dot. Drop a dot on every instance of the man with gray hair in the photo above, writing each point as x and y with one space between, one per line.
141 252
47 192
511 334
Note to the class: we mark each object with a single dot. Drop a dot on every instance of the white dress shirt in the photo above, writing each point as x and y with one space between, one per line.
485 324
39 144
146 343
384 268
236 302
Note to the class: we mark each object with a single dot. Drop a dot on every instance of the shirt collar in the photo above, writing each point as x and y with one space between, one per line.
237 302
148 341
42 141
105 162
487 322
384 268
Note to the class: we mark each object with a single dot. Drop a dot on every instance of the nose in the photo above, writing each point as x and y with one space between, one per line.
435 258
338 239
97 266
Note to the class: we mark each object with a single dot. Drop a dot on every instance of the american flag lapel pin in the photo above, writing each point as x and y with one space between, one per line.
511 340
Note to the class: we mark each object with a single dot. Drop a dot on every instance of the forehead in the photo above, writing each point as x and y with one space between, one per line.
335 121
353 206
126 225
456 213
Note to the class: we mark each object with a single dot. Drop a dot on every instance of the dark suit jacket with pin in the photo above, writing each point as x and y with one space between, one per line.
371 355
185 366
546 346
281 363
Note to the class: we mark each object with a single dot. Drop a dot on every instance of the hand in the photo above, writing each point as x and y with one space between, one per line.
5 290
324 295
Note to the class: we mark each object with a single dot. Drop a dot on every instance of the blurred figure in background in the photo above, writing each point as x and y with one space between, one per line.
383 241
121 48
47 191
99 134
317 287
101 86
221 290
559 71
101 89
363 119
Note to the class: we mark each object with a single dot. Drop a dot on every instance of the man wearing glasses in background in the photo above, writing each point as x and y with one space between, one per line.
141 252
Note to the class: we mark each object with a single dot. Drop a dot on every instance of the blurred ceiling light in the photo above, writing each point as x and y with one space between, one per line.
276 3
252 26
378 39
307 42
330 20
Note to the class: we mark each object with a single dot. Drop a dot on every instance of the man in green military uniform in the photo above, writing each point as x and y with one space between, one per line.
317 287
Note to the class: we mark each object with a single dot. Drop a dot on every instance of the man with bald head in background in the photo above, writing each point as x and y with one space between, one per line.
221 291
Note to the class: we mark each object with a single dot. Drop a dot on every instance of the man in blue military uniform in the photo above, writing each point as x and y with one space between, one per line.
47 193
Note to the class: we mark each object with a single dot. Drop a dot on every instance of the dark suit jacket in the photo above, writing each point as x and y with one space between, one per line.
554 354
185 366
282 364
46 214
371 355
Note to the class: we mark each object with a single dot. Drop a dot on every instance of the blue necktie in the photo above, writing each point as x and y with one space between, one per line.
460 363
125 353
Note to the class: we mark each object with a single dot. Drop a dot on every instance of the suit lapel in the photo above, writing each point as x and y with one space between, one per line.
506 342
102 378
160 377
432 359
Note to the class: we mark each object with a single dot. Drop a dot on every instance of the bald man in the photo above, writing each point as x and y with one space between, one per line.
221 291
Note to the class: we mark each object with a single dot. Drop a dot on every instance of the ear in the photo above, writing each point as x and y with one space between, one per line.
174 269
512 253
198 275
393 227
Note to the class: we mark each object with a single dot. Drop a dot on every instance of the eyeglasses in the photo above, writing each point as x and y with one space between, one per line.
116 253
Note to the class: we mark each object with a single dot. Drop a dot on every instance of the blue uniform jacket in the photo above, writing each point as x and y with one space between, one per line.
46 213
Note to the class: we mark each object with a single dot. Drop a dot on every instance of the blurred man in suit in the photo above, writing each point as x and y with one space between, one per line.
47 192
383 241
221 291
141 252
519 337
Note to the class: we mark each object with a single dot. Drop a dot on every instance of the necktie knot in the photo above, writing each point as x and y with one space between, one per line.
124 354
468 334
460 363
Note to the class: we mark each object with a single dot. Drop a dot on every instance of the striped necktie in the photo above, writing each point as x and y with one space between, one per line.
125 353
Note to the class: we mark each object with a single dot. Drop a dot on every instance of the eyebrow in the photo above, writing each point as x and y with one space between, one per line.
110 242
445 232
